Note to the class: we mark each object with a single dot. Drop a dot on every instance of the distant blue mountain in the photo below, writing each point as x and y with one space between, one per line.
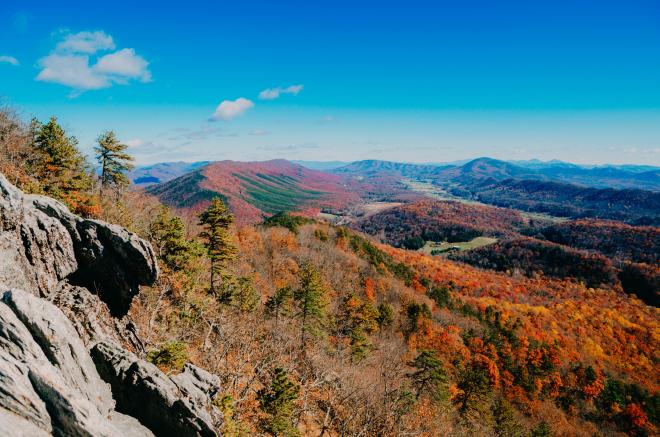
162 172
321 165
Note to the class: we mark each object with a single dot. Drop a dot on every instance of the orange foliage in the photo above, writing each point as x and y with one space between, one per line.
636 416
370 289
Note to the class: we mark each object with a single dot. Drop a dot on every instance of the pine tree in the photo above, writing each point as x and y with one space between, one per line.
239 293
60 167
415 312
277 401
474 384
360 344
506 424
279 303
542 430
429 376
385 315
216 221
114 161
167 235
356 319
311 303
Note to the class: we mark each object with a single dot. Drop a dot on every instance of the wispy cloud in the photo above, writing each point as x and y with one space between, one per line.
326 119
289 147
135 142
9 60
259 132
275 93
70 63
229 109
85 42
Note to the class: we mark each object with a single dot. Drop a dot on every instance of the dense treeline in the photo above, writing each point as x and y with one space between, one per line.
530 256
613 239
342 327
637 207
412 224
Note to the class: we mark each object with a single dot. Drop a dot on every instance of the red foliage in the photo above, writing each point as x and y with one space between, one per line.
636 416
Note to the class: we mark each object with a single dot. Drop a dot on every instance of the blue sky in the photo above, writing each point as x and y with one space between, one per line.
421 81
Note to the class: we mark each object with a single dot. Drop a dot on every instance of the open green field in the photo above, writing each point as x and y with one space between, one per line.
444 247
272 194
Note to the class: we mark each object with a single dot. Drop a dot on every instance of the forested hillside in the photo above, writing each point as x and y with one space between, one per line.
255 190
614 239
412 224
632 206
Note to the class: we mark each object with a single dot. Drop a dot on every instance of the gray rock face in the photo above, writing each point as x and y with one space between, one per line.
177 406
48 379
91 318
79 278
36 250
43 244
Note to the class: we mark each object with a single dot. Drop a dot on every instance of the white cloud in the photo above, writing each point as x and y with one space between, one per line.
71 70
289 147
124 64
259 132
274 93
86 42
229 109
135 142
70 64
9 60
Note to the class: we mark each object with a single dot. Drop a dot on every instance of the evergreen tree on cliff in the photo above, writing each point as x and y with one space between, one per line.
216 220
61 169
167 235
115 162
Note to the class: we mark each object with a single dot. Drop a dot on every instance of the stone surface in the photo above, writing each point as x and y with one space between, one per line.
92 319
145 392
36 250
47 378
42 243
16 426
65 286
58 340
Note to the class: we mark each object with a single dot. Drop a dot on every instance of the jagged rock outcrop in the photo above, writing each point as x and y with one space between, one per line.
42 244
47 377
65 287
168 406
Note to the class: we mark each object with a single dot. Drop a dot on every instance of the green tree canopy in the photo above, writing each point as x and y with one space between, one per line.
114 161
429 376
279 304
61 169
311 302
216 220
277 402
474 384
167 234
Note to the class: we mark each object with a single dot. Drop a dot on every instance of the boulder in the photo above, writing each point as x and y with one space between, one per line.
42 243
156 400
48 379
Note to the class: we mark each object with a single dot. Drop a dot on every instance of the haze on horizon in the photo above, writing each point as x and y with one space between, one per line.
417 82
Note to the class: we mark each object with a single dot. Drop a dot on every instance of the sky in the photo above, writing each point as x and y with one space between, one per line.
414 81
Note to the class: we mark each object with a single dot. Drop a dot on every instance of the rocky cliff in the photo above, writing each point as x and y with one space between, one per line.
70 359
